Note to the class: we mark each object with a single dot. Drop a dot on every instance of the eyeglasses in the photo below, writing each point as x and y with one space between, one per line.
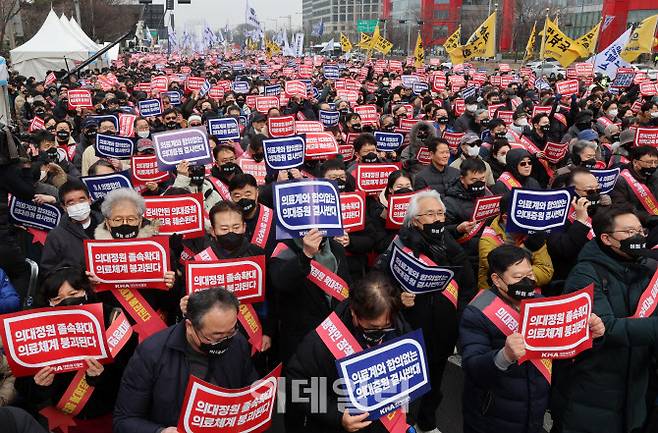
222 336
632 232
121 220
169 119
433 214
525 164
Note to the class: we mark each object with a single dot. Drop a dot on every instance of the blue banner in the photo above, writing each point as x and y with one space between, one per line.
420 87
113 146
150 107
388 141
240 87
114 119
315 92
532 211
284 153
99 186
607 178
274 90
29 214
225 129
188 144
174 97
304 205
329 118
409 80
416 277
331 72
383 378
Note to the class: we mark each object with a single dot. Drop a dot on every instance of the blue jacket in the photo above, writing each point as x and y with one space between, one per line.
154 382
9 300
495 401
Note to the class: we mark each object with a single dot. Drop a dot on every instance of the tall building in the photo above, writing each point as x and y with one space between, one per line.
339 15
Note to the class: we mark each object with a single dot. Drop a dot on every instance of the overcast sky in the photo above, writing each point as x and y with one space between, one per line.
218 12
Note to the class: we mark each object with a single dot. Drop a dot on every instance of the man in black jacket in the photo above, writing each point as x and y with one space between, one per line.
65 243
206 345
438 176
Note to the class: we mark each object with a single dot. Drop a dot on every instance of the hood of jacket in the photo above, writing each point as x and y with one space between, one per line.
514 156
148 229
414 143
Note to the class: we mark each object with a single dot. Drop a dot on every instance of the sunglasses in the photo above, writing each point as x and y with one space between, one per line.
525 164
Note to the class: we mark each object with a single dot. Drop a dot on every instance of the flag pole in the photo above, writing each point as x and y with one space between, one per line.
543 43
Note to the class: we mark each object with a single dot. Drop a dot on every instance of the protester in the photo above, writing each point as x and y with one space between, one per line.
438 175
470 149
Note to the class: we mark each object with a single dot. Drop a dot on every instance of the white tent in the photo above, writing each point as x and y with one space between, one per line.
53 47
78 30
85 43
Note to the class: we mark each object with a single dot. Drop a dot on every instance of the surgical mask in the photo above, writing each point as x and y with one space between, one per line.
613 113
471 108
230 241
473 151
370 158
434 231
124 231
143 134
171 125
654 114
477 188
79 212
215 349
633 245
403 191
502 159
522 289
521 122
356 127
614 138
247 205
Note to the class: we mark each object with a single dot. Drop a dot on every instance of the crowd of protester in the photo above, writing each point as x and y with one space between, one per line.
607 240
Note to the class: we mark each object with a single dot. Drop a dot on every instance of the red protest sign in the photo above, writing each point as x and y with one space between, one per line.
245 277
350 96
486 207
216 93
145 169
208 408
353 210
295 88
506 115
127 124
368 113
567 87
438 82
320 145
256 169
306 126
347 152
159 84
282 126
504 67
453 139
557 327
648 88
459 106
424 156
179 214
194 83
541 109
264 103
250 100
59 337
372 178
397 209
36 124
584 69
554 152
80 98
134 263
492 109
407 124
646 137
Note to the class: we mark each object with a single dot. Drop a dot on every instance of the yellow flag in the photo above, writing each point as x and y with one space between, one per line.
641 40
378 43
557 45
419 53
345 43
365 41
530 46
482 42
453 46
586 44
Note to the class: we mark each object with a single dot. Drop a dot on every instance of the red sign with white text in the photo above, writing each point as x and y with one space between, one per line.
295 88
397 209
347 152
194 83
353 210
256 169
179 214
350 96
264 103
554 152
453 139
306 126
368 113
557 327
80 98
372 178
244 276
567 87
282 126
145 169
646 137
320 145
208 408
60 337
486 207
129 263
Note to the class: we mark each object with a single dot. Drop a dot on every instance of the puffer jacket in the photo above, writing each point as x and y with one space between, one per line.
409 153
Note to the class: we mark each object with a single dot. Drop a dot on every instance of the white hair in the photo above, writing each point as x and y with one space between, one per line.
412 210
122 194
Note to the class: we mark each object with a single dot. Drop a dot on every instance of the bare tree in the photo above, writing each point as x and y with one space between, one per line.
8 10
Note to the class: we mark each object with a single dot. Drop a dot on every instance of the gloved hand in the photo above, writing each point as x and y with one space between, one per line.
535 241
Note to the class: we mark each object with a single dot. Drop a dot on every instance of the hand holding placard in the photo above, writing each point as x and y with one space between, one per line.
514 347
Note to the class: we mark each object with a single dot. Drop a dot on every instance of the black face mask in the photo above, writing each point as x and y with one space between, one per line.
500 135
63 136
51 155
340 183
484 123
230 241
69 302
124 231
583 125
370 158
442 120
171 125
434 232
589 163
403 191
634 246
614 137
356 127
216 349
593 197
40 113
373 337
546 128
522 289
477 188
229 168
647 171
258 157
247 205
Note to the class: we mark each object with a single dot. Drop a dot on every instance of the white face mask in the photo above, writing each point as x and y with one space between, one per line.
522 121
502 159
613 113
143 134
79 212
473 151
471 108
654 114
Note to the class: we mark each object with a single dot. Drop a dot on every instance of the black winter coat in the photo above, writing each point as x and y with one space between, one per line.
154 382
65 243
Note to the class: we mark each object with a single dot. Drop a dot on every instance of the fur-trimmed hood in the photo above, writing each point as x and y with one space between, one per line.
148 229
